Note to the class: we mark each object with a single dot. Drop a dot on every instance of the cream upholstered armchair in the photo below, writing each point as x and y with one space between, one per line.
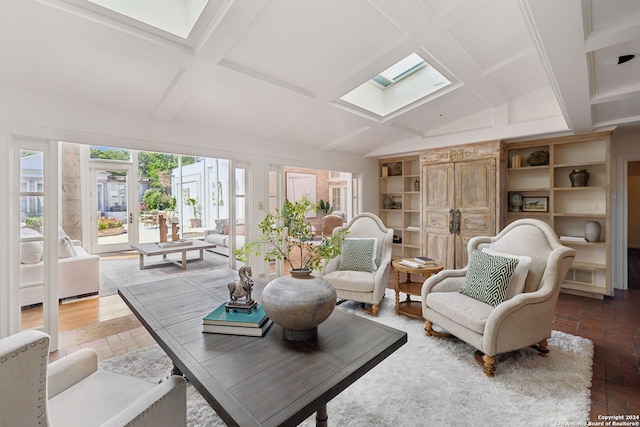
361 271
464 301
73 392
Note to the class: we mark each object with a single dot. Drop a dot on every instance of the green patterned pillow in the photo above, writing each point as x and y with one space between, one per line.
358 254
488 277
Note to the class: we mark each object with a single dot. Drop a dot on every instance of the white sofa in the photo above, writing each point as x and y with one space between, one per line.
219 236
78 271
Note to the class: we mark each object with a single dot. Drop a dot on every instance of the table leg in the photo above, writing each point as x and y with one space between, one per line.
141 261
408 300
176 371
397 291
184 260
201 255
322 416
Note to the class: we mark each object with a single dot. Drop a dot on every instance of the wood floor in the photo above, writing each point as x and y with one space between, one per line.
613 324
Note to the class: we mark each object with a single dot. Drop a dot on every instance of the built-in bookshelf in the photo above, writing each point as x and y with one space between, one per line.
548 194
399 203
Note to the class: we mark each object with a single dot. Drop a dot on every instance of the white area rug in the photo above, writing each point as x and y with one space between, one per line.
115 273
433 382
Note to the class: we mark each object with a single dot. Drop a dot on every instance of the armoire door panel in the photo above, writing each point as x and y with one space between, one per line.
466 188
474 223
441 247
439 184
437 220
475 184
461 255
476 200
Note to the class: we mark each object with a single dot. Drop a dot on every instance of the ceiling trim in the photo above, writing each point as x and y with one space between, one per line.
266 78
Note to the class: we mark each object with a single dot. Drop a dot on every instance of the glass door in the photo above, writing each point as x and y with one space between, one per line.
238 211
113 207
34 299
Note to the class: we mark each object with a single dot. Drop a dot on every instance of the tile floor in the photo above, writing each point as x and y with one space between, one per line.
613 324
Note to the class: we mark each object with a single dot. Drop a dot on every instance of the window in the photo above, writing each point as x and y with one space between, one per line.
403 83
338 197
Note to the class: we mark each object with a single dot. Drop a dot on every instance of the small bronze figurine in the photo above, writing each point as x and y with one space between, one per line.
241 289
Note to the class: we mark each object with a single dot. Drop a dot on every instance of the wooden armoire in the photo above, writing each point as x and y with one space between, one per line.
462 196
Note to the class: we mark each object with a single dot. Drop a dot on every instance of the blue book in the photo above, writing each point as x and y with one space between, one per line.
220 316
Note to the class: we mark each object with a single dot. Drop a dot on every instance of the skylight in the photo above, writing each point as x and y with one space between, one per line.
399 70
398 86
174 16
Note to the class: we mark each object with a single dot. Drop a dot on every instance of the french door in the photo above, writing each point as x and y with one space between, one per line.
113 207
34 236
238 211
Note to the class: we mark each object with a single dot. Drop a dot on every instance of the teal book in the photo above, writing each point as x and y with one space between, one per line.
220 316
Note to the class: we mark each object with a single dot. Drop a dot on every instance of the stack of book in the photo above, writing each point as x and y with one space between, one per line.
419 262
236 322
572 239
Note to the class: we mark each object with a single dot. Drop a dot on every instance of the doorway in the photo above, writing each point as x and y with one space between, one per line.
112 201
633 227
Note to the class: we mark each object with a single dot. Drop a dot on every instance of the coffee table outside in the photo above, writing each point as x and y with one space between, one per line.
153 249
252 381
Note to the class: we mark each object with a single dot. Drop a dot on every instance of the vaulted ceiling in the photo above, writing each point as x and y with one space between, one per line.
276 70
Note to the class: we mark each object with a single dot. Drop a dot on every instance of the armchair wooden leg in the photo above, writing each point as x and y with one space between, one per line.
428 328
542 347
375 308
430 332
487 362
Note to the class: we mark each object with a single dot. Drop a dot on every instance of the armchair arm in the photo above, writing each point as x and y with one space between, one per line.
330 265
70 370
166 405
380 279
504 329
444 281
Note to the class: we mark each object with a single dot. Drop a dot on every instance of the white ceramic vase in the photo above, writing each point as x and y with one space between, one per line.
298 305
592 231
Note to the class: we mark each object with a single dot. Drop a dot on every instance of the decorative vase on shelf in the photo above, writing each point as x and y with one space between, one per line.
416 185
387 203
298 304
579 177
592 231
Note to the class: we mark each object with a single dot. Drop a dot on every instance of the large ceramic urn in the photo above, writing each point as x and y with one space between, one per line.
298 304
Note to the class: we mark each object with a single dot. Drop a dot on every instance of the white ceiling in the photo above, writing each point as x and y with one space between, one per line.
276 70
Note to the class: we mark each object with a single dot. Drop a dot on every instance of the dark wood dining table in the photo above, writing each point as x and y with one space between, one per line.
257 381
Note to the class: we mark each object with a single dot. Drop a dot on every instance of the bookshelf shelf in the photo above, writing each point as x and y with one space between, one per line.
399 204
570 207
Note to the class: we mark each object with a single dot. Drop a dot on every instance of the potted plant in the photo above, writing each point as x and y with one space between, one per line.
109 226
325 207
300 302
196 221
287 231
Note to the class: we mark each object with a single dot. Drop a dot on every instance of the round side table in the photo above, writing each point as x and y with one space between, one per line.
409 307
